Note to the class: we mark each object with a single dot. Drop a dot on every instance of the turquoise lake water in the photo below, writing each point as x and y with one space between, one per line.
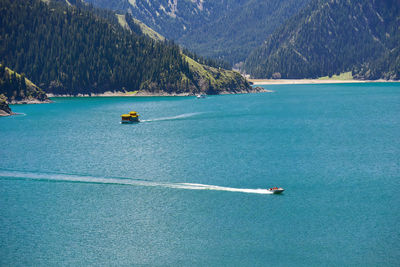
180 188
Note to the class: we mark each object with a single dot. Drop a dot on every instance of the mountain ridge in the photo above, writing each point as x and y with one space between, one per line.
330 37
226 29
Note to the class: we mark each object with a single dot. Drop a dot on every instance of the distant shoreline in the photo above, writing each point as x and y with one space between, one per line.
153 94
311 81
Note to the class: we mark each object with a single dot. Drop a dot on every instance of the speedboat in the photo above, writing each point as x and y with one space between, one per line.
276 190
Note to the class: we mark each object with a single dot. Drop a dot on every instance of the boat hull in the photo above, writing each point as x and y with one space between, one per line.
276 191
130 122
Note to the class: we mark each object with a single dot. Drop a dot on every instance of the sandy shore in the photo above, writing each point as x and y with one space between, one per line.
310 81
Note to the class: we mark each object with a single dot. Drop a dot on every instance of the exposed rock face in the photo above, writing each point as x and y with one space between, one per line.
5 110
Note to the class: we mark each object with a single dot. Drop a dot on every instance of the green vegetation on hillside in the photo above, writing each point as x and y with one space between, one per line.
72 50
331 37
144 28
122 21
342 76
15 87
216 81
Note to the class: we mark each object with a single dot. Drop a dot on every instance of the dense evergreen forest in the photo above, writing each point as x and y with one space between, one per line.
216 63
12 85
223 29
234 35
71 50
15 87
333 36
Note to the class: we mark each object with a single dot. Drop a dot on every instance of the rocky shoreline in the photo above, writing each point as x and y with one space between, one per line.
30 101
5 109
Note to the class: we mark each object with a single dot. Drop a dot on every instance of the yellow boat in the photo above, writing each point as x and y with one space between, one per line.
132 117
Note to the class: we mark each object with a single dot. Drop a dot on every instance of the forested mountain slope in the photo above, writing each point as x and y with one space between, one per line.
333 36
17 89
224 29
234 35
71 50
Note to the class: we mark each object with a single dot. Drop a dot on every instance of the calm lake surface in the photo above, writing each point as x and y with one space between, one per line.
178 189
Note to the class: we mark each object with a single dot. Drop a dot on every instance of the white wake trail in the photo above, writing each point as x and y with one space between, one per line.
218 188
55 177
178 117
